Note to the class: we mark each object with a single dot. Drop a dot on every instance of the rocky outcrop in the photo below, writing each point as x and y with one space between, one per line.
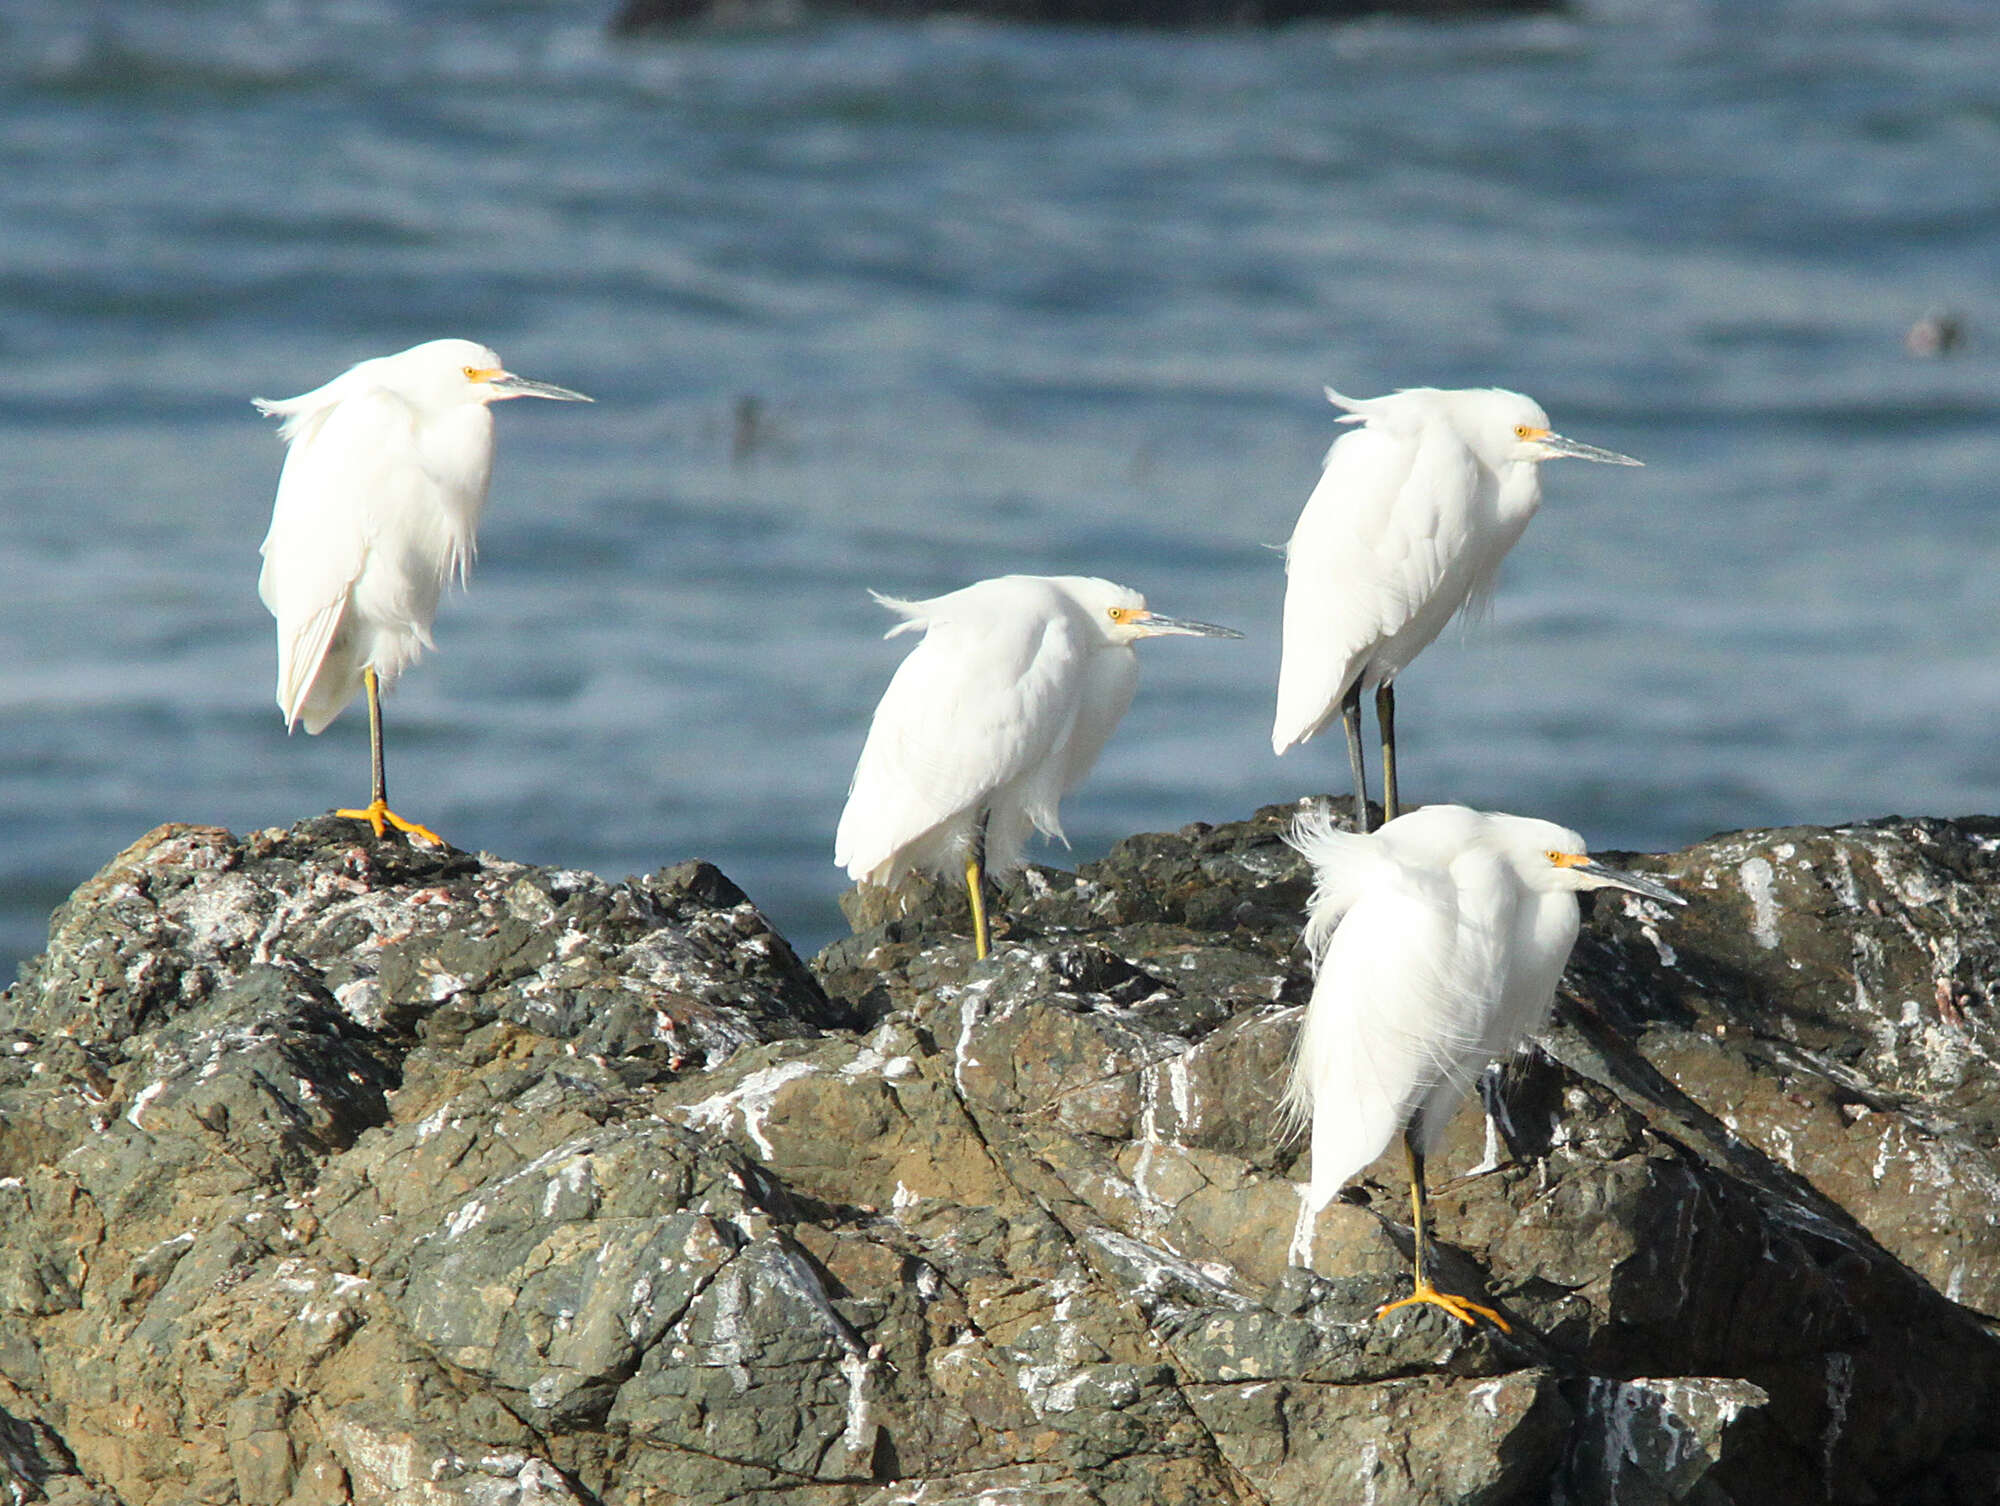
650 15
339 1171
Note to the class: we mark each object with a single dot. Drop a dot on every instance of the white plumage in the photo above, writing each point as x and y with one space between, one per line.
999 711
378 507
1438 942
1412 515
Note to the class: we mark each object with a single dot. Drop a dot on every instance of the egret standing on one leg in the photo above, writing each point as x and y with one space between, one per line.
1437 943
384 481
993 717
1409 522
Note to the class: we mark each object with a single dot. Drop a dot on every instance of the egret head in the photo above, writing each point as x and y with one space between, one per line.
1552 858
1508 426
1122 615
447 373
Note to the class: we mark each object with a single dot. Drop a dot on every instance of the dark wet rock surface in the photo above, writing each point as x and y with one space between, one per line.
342 1171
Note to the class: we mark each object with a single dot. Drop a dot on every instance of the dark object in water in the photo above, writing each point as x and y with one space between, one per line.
1938 333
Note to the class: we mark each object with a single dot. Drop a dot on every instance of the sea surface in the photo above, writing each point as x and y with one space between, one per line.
905 306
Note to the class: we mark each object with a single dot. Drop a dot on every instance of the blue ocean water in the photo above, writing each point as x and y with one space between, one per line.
1001 298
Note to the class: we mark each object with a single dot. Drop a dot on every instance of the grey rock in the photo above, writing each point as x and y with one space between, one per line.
340 1171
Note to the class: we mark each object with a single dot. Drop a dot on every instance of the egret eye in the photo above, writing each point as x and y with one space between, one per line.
1118 614
1522 431
472 374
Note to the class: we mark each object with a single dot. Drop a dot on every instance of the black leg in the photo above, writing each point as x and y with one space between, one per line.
1385 714
1350 719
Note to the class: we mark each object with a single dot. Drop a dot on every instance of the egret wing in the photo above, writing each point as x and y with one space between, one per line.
1387 1012
348 469
1111 675
1371 552
972 709
1487 959
1532 935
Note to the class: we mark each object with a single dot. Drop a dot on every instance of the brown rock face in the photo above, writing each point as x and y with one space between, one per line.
334 1171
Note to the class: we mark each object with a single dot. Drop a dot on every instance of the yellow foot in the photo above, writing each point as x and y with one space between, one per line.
378 815
1460 1308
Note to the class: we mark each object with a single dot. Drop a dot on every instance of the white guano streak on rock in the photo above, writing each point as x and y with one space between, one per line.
730 1335
219 914
804 1281
1621 1405
470 1215
753 1096
1881 1166
1037 1383
1489 1154
1839 1390
868 1060
1158 1264
1180 1093
968 1021
1844 888
572 1177
1916 888
859 1437
1300 1251
1150 1205
360 999
1187 1109
434 1122
1757 878
144 1096
472 1212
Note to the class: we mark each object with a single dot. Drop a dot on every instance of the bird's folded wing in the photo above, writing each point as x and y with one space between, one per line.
1109 680
345 478
1385 1021
1371 549
965 714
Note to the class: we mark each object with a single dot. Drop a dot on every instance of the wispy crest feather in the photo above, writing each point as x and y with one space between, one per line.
1342 863
916 615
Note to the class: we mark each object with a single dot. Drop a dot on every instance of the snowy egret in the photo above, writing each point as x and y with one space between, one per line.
1411 517
996 714
385 478
1437 944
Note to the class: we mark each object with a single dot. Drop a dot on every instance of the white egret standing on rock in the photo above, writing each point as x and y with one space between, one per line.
1437 944
378 506
1412 515
990 720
